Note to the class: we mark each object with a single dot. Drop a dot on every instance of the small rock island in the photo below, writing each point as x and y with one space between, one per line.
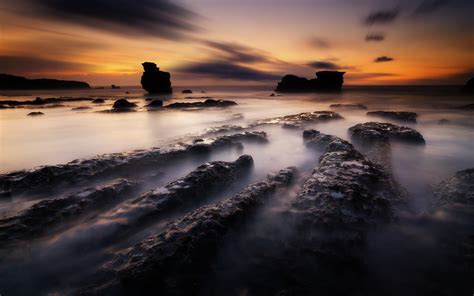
155 81
324 81
17 82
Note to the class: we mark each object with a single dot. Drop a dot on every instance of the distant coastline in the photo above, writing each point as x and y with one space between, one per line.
12 82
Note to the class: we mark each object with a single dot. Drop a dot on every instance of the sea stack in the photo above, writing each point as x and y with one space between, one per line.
324 81
155 81
469 87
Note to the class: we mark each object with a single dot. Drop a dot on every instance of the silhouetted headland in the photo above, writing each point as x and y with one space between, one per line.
155 81
469 87
17 82
324 81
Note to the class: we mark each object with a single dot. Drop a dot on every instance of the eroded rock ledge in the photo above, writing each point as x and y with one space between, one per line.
206 104
49 214
377 131
176 261
395 115
48 178
457 189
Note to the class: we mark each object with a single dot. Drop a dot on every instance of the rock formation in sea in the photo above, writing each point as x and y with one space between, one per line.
123 104
35 114
348 106
324 81
370 132
155 104
17 82
395 115
40 102
155 81
457 189
206 104
187 91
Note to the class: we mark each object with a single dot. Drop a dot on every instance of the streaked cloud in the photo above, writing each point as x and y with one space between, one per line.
428 7
376 37
381 17
22 65
226 70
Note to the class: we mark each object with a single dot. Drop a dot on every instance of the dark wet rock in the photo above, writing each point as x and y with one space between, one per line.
81 108
316 139
324 81
469 87
223 129
457 189
98 101
209 103
155 81
376 131
272 95
123 104
50 214
395 115
18 82
301 119
348 106
444 121
113 86
40 102
187 91
49 178
155 104
35 114
176 261
465 107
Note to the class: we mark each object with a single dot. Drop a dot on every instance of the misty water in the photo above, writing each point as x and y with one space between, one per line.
412 254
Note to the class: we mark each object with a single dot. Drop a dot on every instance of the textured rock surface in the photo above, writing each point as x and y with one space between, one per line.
375 131
47 178
348 106
155 81
301 119
155 104
395 115
206 104
457 189
176 261
324 81
48 214
18 82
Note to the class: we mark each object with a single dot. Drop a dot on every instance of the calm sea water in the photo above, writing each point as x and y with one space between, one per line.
62 135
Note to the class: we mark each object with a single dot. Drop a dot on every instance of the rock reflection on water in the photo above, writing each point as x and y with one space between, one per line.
427 248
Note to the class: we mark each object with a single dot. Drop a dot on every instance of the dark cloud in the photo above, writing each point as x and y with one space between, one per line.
381 17
319 42
325 65
238 53
158 18
377 37
21 65
383 59
226 70
429 6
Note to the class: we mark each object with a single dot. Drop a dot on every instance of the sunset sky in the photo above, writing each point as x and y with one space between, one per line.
239 42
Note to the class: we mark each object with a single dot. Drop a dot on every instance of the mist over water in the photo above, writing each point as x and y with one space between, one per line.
413 247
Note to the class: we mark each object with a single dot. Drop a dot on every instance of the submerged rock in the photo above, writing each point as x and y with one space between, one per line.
35 114
48 178
457 189
176 261
187 91
348 106
395 115
324 81
206 104
123 104
155 81
376 131
50 214
301 119
155 104
81 108
465 107
98 101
